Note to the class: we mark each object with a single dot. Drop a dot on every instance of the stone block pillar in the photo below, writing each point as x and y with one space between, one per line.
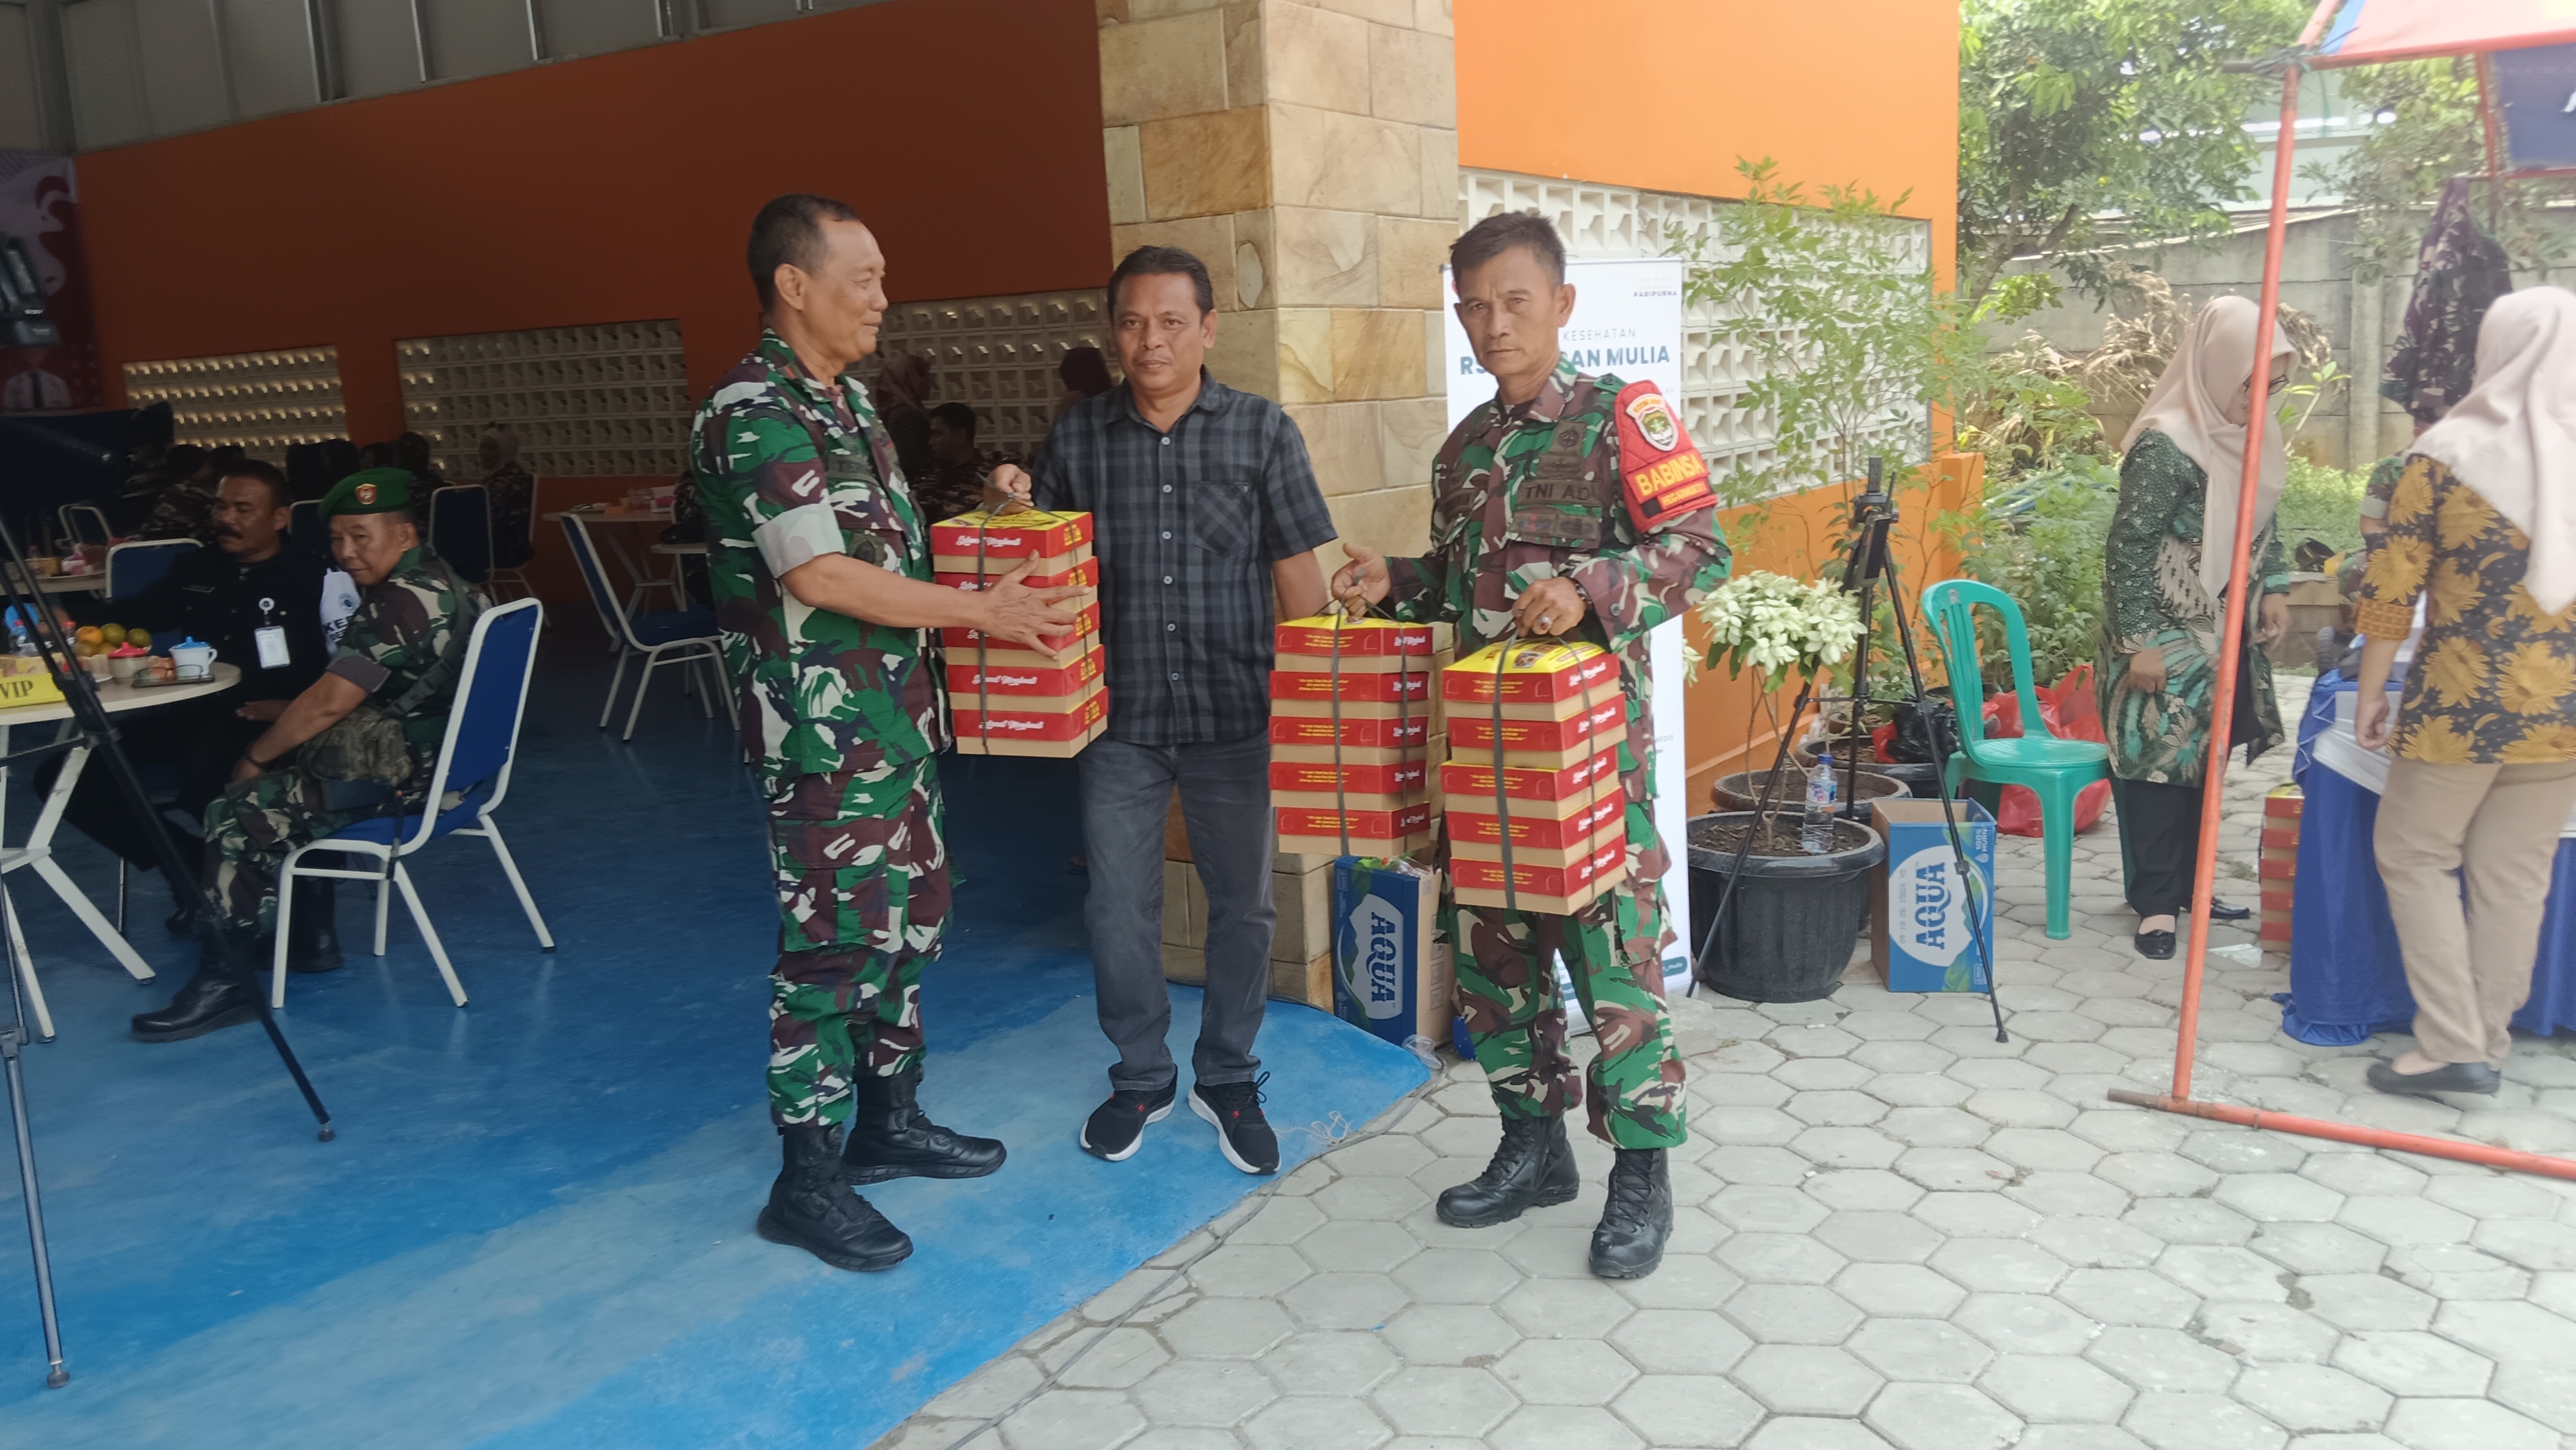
1309 154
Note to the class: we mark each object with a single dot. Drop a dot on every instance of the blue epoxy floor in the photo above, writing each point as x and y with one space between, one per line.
535 1229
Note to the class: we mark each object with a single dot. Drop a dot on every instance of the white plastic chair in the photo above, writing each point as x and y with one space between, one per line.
681 637
474 763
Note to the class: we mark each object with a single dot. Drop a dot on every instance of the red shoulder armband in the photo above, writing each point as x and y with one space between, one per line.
1661 474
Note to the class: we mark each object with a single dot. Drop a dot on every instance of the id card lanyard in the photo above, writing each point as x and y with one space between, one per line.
270 639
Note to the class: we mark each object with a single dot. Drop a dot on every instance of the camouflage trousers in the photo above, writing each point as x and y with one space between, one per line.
1507 991
257 823
862 876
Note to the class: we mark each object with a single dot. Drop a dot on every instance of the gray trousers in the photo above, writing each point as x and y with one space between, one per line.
1225 800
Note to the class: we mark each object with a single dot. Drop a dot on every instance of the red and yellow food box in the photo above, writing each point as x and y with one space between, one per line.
1082 574
1468 785
1475 833
1365 740
1015 730
970 681
1403 782
1546 890
1054 649
1541 680
1393 831
1365 646
1543 744
1388 696
973 543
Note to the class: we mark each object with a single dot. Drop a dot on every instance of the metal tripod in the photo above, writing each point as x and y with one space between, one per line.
225 949
1869 562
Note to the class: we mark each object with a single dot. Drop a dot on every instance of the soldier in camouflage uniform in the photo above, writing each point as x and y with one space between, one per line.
357 743
819 565
1571 505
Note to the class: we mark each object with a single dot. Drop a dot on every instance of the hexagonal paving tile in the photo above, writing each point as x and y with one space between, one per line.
2412 1363
1463 1334
2312 1397
2086 1242
2163 1360
1249 1271
1562 1427
1794 1379
1433 1401
2003 1266
1766 1258
1878 1237
1565 1308
2546 1393
1686 1281
1846 1147
1456 1276
2508 1333
1688 1410
1226 1329
1565 1372
2466 1425
1211 1392
1760 1208
1072 1420
1362 1245
1339 1362
1115 1360
2056 1387
2129 1296
1344 1301
1785 1433
1976 1215
2200 1422
1941 1417
2025 1323
1680 1342
1792 1314
2279 1197
2266 1333
1316 1423
2217 1271
1919 1349
1898 1289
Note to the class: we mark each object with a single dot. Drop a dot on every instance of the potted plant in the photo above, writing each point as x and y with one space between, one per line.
1779 921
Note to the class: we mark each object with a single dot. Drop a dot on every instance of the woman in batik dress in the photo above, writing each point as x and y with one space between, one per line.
2165 568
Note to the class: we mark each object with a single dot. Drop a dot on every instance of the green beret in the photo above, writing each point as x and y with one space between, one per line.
369 491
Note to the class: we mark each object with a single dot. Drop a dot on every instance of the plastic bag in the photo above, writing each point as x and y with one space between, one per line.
2066 710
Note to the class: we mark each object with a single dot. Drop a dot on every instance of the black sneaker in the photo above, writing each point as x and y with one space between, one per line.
1242 1132
1117 1127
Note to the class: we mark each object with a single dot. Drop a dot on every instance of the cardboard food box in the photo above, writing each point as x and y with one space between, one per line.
1388 696
1057 733
1541 680
1543 744
1387 977
1922 935
1547 890
1404 781
1479 832
1364 741
1389 831
1017 535
1082 574
1559 793
1356 646
1572 851
969 681
1056 649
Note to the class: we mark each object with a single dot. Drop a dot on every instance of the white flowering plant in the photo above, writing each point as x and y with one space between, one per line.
1772 624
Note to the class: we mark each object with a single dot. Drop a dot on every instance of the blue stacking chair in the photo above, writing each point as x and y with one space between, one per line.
679 637
473 765
135 567
304 526
84 523
2055 770
460 530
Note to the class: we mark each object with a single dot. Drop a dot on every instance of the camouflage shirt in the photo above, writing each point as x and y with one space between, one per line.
789 469
1541 490
405 623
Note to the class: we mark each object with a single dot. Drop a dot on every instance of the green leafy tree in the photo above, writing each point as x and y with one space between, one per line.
2070 110
2428 131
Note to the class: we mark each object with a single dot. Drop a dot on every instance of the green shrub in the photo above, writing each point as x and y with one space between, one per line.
2320 503
2041 542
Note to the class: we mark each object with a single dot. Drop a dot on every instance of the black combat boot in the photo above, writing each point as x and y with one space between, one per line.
1533 1168
1629 1243
313 933
211 1001
812 1208
889 1138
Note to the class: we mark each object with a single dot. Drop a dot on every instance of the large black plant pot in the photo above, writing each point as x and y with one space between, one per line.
1790 930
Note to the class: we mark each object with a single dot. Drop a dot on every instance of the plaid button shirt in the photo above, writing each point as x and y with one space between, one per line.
1186 525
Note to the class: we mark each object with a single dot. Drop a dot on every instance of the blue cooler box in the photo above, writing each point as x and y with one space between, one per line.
1922 933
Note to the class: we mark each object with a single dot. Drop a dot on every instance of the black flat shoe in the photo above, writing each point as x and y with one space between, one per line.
2155 945
2228 911
2450 1077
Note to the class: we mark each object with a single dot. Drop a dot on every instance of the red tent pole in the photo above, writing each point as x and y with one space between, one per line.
2233 614
2487 123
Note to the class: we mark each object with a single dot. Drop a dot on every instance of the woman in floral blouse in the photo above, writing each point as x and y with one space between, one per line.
2165 565
2482 529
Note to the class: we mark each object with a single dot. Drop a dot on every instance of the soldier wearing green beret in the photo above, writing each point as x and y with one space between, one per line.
359 742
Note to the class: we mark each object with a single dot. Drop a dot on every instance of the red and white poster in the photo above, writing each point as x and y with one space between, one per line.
40 205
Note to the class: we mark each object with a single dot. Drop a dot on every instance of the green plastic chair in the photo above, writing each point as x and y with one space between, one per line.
2054 769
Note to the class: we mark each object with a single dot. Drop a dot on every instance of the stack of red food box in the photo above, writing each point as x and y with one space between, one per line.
1377 800
1556 749
1006 698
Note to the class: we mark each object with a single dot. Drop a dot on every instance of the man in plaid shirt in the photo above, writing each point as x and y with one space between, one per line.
1203 504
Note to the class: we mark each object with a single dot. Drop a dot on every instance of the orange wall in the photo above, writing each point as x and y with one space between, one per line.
1666 94
614 188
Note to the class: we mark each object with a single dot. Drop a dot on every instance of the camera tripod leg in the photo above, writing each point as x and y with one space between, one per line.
55 1375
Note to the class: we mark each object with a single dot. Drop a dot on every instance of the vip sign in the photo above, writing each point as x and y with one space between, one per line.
1628 322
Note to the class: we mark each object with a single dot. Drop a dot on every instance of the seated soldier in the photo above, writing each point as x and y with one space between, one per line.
360 742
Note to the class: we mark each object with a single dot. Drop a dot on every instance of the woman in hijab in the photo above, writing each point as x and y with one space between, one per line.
2481 529
902 397
511 493
2165 566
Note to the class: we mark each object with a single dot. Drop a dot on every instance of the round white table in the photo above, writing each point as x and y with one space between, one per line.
38 851
92 582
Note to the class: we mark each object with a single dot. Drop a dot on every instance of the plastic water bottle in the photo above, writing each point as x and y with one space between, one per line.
22 639
1817 833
